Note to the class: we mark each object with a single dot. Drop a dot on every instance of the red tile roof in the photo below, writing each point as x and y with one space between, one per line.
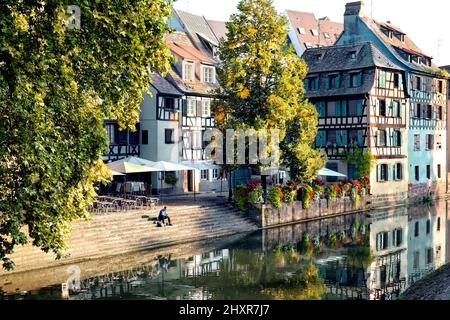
308 22
180 45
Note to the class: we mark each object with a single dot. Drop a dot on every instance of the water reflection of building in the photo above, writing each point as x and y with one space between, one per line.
388 242
427 240
205 263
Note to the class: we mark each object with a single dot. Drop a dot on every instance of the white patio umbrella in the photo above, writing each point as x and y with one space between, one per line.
115 173
127 167
164 166
325 172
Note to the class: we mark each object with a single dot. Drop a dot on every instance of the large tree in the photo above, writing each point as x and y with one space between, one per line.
57 85
261 80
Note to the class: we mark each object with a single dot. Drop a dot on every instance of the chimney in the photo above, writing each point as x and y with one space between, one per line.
354 9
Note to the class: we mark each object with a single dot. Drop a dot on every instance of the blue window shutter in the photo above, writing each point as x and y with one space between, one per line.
347 81
344 137
324 138
394 172
307 84
360 138
338 138
344 108
337 106
359 80
378 173
338 81
321 108
317 84
360 108
327 83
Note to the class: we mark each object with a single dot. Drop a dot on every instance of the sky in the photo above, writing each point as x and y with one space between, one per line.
427 23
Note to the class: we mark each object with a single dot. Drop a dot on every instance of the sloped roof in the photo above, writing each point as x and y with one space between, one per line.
395 44
189 52
308 22
219 28
163 86
196 25
337 58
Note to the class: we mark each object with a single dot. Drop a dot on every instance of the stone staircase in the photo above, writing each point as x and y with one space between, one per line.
117 233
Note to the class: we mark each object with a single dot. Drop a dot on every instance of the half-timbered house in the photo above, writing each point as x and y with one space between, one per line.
360 97
123 143
427 92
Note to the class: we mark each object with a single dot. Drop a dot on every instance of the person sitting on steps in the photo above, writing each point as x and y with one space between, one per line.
163 216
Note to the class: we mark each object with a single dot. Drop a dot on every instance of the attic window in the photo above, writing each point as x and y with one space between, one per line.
318 56
326 35
352 54
301 30
314 32
308 45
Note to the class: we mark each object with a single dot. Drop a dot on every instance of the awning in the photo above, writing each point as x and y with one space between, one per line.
131 165
169 166
200 165
330 173
115 173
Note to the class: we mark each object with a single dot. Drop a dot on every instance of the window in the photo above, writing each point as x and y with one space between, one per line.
169 103
205 174
326 35
381 138
351 171
188 70
382 173
215 173
312 83
429 112
440 115
416 142
418 83
331 137
382 79
355 80
439 224
169 136
417 111
416 229
428 172
397 237
430 142
333 81
331 109
356 137
428 226
144 136
191 107
439 171
382 109
314 32
355 108
417 173
416 260
301 30
396 109
396 80
429 256
206 108
208 74
320 106
111 130
396 138
382 241
398 172
440 86
308 45
352 54
334 167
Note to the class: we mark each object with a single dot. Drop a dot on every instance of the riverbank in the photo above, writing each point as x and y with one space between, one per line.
134 231
433 287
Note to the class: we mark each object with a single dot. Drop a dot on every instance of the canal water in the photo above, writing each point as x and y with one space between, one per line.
375 256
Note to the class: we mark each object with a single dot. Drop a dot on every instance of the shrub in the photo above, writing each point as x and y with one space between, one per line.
275 196
171 179
241 197
289 192
255 196
332 191
307 194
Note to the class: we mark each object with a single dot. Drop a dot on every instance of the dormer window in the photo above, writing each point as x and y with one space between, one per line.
308 45
352 54
326 35
318 56
188 70
314 32
301 30
208 74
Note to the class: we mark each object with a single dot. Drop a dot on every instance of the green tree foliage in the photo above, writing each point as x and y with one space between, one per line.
363 161
261 81
57 85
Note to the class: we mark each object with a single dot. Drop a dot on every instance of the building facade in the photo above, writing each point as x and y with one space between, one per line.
361 99
426 90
